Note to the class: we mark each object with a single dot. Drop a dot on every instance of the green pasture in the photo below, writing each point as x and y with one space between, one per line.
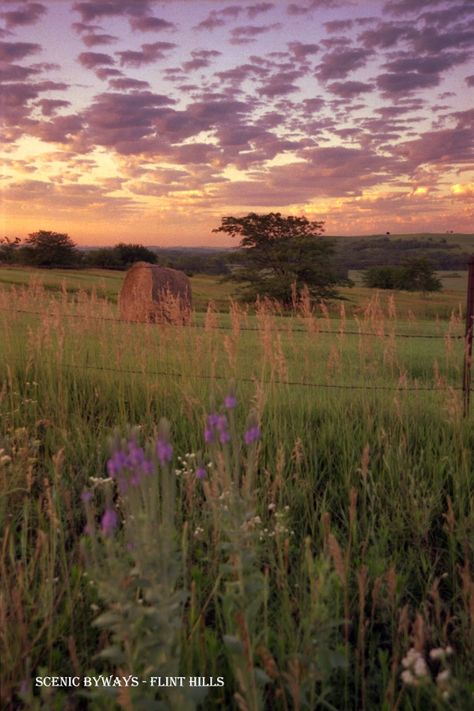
353 546
107 283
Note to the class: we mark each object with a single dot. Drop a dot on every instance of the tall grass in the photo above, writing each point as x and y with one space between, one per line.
303 568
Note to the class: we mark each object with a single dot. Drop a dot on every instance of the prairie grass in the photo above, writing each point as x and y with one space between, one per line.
303 568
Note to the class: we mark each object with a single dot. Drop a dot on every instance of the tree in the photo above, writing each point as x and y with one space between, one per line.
49 249
279 254
9 250
130 253
416 274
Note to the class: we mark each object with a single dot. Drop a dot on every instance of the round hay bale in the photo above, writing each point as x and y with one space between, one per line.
155 294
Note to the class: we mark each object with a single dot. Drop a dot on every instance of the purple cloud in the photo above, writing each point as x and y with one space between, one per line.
387 34
149 53
200 59
11 51
50 106
28 14
301 51
91 60
405 82
338 25
93 40
249 33
92 9
257 9
349 89
151 24
125 83
338 64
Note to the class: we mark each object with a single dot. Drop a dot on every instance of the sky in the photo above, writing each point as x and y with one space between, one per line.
150 120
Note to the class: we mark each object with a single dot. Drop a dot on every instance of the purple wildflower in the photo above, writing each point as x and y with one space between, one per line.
224 437
230 402
164 451
109 522
213 419
208 435
86 497
200 472
252 434
222 423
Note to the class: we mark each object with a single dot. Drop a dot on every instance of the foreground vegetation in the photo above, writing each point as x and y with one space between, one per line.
311 545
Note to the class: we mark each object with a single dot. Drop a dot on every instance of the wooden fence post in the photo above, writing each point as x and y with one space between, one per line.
466 385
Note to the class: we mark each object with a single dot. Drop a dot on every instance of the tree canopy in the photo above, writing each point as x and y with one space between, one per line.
49 249
413 275
280 254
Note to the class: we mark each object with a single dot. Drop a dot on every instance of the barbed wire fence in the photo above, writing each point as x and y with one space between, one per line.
402 387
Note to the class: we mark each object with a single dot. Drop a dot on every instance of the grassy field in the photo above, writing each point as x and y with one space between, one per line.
311 542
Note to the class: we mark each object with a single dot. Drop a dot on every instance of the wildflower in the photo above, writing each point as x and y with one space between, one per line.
164 451
408 678
217 425
86 497
420 667
224 437
252 434
230 402
443 677
109 522
200 473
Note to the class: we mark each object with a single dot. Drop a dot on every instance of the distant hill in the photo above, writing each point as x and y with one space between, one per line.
447 252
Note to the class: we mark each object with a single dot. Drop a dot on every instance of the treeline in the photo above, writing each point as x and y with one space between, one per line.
372 252
46 249
52 249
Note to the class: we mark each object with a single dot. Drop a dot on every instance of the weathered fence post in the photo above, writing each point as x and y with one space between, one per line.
466 385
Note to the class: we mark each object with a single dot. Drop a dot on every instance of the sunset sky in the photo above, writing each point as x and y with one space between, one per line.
149 120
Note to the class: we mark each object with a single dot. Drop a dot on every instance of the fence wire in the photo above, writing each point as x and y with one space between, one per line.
221 327
290 383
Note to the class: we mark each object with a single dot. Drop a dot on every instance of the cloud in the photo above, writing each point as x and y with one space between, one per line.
257 9
296 9
148 54
348 89
338 25
402 7
50 106
28 14
339 63
462 189
301 51
93 40
405 82
470 80
17 105
219 18
91 60
249 33
450 146
61 129
11 51
93 9
149 23
387 34
200 59
281 84
15 72
128 83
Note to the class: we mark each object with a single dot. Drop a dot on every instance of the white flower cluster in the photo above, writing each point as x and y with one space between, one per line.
415 668
187 465
278 525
